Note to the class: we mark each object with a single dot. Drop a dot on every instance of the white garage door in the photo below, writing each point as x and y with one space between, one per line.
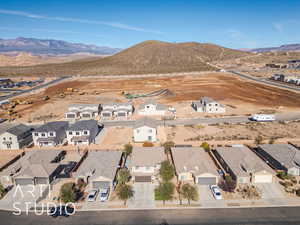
263 178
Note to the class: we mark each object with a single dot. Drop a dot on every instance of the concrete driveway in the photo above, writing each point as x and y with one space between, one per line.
143 196
270 191
206 198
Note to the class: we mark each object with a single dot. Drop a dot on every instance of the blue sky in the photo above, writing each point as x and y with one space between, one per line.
234 24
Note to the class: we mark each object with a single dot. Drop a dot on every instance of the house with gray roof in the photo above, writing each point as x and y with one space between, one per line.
152 108
145 163
208 105
282 157
82 132
243 165
144 130
50 134
193 164
116 109
34 168
99 169
82 111
16 137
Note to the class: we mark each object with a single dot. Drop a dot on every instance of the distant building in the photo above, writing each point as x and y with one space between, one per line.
208 105
83 111
16 137
82 132
145 130
116 109
50 134
5 81
152 108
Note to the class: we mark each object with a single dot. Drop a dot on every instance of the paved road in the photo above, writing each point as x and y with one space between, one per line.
195 121
265 81
33 89
241 216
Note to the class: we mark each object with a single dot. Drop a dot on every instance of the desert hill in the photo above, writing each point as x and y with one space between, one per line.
143 58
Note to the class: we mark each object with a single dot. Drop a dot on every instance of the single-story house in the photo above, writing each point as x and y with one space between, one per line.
117 109
82 132
16 137
50 134
100 168
145 130
145 163
208 105
282 157
243 165
193 164
152 108
34 168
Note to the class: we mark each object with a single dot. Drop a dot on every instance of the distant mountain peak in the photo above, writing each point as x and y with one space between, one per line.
282 48
53 47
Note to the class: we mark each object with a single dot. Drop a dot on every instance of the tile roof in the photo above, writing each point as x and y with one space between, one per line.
19 129
52 126
194 159
147 156
83 125
145 121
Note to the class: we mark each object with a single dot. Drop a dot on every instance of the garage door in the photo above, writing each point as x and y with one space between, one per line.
263 179
207 180
106 114
101 184
143 179
24 181
122 114
41 180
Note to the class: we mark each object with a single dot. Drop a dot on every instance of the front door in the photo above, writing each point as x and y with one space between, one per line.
149 138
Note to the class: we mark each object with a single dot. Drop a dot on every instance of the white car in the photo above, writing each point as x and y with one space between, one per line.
216 192
92 195
104 193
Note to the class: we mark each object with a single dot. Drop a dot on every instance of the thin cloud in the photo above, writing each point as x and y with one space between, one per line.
281 26
76 20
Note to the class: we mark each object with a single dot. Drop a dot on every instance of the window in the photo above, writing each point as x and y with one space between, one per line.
150 130
51 134
85 132
77 133
70 132
43 135
10 138
4 139
36 134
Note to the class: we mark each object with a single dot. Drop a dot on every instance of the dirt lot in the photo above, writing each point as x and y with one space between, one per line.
240 96
233 133
7 156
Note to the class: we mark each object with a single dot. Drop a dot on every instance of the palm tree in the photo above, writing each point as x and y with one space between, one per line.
124 192
123 176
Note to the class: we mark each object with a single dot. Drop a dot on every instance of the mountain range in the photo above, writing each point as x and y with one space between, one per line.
282 48
52 47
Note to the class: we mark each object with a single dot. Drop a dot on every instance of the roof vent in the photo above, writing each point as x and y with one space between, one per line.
197 168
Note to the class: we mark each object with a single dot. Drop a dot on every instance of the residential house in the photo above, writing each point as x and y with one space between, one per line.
36 167
16 137
152 108
50 134
82 132
243 165
83 111
118 110
5 81
145 163
193 164
145 130
282 157
208 105
99 169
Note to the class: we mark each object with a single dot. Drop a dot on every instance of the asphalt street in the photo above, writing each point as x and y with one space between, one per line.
236 216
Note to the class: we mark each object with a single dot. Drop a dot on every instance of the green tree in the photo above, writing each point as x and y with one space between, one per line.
164 191
123 176
167 146
67 192
205 146
166 171
189 192
258 140
124 192
2 191
127 149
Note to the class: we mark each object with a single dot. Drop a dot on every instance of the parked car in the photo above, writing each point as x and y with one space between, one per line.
216 192
61 211
92 195
262 117
104 194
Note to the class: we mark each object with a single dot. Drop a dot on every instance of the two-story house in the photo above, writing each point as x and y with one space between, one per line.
145 130
50 134
16 137
82 132
82 111
118 110
152 108
208 105
145 163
